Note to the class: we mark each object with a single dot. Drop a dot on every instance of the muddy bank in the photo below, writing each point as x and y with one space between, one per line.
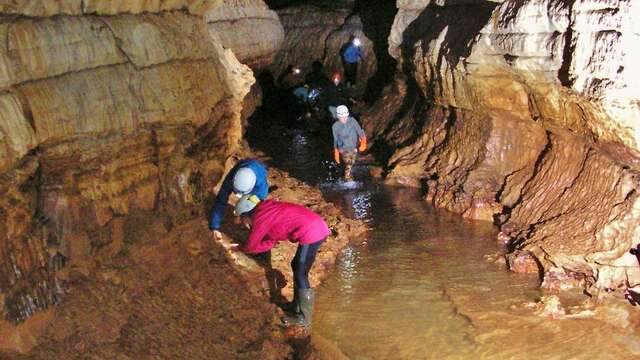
255 269
176 293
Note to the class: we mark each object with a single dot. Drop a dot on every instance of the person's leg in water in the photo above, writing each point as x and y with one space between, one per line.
349 158
350 73
304 296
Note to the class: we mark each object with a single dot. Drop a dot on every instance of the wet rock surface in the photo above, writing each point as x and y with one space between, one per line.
520 116
175 292
344 230
116 117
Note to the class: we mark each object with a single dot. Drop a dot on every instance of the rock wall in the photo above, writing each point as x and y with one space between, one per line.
114 116
317 33
249 28
525 114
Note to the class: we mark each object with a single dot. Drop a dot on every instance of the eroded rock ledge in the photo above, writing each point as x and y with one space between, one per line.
115 115
175 293
249 28
525 114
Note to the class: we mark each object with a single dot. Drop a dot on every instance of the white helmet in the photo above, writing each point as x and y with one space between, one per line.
342 110
244 181
245 204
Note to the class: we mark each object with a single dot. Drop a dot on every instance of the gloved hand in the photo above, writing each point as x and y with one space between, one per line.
336 155
363 144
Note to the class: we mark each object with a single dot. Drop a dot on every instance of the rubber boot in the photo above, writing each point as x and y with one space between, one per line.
306 300
293 306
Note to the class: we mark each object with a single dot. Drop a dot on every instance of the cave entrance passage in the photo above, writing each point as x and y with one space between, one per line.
425 284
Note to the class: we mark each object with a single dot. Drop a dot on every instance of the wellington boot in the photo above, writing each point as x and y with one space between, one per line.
306 300
292 306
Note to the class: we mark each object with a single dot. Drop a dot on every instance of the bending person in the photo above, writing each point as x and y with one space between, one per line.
249 176
272 221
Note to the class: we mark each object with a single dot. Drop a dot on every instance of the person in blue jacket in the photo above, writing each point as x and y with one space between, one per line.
351 54
249 176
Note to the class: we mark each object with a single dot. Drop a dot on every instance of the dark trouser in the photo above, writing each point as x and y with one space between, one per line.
350 72
302 262
349 158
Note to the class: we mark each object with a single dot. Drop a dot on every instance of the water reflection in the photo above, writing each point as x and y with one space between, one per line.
420 288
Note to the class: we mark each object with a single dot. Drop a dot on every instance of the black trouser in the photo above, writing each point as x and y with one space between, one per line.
350 72
302 262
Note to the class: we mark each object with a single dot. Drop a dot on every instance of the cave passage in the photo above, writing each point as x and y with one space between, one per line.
425 284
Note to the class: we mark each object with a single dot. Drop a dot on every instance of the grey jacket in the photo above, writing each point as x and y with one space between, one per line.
345 136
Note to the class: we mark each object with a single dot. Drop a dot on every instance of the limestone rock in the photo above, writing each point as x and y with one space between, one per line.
41 48
46 8
132 116
16 134
524 114
249 28
152 39
523 262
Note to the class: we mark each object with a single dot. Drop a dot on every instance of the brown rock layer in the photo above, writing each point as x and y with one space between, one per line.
109 124
249 28
523 115
175 293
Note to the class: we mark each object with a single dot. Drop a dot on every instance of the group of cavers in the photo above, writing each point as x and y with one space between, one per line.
317 93
270 221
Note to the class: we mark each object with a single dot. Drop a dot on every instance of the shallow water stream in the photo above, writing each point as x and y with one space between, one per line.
421 287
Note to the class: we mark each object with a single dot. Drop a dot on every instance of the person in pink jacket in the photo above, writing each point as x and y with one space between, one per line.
272 221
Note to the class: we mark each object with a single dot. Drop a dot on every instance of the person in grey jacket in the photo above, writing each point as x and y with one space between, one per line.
348 139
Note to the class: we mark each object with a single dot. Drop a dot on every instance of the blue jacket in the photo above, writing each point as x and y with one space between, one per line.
260 189
352 53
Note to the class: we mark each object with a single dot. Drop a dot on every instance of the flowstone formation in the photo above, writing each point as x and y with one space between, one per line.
115 116
524 113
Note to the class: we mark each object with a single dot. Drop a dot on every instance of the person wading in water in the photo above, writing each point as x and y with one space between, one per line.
348 139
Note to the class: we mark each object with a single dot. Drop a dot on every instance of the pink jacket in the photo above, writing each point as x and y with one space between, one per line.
274 221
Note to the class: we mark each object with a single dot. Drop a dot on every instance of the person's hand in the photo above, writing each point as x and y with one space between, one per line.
226 244
336 156
363 144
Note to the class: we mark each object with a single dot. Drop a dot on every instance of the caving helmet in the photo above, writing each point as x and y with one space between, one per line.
244 181
342 110
246 203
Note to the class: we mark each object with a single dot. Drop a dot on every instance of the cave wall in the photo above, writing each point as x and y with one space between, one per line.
525 114
114 116
249 28
317 33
